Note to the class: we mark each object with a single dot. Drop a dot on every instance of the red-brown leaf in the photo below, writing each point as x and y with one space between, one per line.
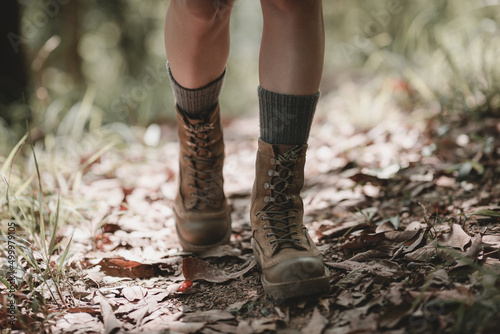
120 267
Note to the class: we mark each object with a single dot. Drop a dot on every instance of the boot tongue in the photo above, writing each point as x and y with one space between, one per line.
286 156
200 118
198 122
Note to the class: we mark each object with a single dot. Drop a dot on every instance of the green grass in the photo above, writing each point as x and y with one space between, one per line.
36 195
41 253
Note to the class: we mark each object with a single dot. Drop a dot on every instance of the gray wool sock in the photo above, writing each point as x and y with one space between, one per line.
196 101
285 119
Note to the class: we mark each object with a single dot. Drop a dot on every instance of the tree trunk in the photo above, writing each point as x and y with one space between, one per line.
13 74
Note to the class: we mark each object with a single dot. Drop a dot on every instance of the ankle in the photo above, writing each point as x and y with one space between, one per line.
286 119
194 102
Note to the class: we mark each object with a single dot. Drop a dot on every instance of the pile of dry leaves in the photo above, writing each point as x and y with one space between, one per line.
406 215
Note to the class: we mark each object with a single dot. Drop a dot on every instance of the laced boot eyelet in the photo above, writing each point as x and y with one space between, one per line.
268 199
267 186
268 235
272 161
270 172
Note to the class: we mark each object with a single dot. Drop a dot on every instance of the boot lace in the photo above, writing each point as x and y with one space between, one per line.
280 211
203 170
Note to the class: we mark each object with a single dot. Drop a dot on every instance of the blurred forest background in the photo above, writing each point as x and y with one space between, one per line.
109 57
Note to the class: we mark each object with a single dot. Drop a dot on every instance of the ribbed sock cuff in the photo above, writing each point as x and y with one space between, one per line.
195 101
286 119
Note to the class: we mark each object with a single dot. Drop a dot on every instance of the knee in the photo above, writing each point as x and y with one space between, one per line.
203 11
291 8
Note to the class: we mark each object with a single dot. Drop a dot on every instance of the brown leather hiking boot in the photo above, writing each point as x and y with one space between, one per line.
202 214
291 264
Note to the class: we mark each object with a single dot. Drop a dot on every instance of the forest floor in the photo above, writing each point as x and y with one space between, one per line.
405 213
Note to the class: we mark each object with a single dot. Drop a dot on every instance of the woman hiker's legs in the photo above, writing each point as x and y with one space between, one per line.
197 47
291 63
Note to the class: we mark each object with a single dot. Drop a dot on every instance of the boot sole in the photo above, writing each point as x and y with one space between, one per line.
189 247
303 288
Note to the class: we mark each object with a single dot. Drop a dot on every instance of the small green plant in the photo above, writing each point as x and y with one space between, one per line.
38 267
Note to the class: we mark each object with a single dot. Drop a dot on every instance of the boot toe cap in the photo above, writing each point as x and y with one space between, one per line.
203 232
295 269
296 277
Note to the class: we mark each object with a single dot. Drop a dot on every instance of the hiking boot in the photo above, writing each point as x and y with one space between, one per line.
291 264
201 211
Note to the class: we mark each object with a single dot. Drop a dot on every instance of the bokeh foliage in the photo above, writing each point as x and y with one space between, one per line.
447 51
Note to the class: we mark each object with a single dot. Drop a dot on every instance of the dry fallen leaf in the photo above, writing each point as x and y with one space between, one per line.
420 241
364 241
121 267
458 239
134 293
186 327
492 241
221 327
414 225
317 323
84 309
492 265
207 316
384 227
77 323
244 328
262 325
460 293
427 252
235 307
343 228
196 269
445 181
379 267
401 236
111 323
185 286
440 277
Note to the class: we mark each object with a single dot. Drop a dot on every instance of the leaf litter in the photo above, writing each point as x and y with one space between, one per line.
410 242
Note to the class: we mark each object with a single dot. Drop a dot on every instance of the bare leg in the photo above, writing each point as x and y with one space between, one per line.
197 40
292 48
